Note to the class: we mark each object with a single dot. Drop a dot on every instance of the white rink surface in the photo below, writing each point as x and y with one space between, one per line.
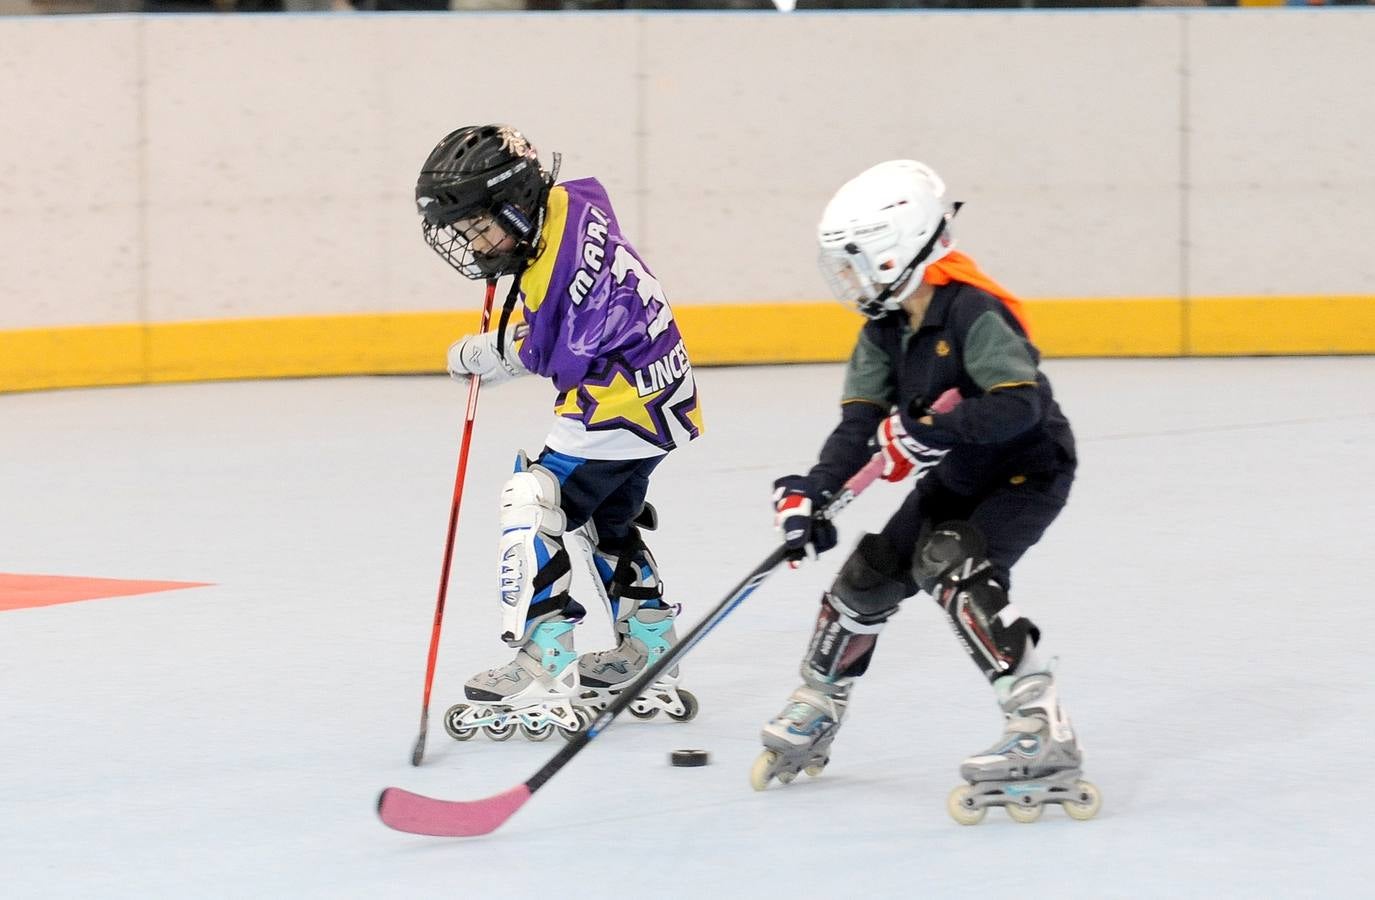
1206 589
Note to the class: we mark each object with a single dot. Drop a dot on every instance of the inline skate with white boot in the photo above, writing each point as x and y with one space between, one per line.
1038 759
853 612
1037 762
538 692
628 582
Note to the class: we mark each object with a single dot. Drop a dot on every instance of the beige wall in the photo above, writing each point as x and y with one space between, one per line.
71 184
1282 153
182 168
752 127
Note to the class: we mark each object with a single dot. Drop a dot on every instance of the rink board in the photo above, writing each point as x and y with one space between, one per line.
1167 189
396 343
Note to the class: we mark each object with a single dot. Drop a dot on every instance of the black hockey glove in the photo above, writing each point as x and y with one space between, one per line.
796 502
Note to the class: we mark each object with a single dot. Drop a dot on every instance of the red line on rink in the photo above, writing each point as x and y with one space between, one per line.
25 591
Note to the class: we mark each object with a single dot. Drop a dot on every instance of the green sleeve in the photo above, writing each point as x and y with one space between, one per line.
869 375
995 356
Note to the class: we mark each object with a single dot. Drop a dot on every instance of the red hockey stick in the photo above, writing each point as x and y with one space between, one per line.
418 814
419 752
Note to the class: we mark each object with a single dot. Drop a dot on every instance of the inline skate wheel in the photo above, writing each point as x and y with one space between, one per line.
643 713
1024 813
762 770
1088 803
960 805
451 723
500 732
584 717
816 768
537 732
690 707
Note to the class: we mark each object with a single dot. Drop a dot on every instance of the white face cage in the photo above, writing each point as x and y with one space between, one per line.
880 231
854 281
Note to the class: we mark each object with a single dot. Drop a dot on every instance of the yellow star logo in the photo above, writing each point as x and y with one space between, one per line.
695 417
568 404
620 400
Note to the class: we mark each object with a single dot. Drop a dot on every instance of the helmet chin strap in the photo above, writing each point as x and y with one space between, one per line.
506 309
513 294
900 282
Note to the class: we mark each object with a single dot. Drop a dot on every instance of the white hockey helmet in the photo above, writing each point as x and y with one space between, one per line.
880 231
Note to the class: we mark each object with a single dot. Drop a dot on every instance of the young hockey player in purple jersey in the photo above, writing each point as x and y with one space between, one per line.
594 320
945 383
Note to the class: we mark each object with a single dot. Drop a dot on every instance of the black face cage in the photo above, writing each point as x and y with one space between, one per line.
455 247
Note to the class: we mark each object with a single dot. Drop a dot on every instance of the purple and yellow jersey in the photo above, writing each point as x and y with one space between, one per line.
602 330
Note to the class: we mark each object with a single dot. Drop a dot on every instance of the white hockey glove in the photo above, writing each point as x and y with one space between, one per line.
476 354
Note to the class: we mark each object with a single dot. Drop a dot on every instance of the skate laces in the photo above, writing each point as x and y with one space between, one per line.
1026 724
511 671
799 712
614 653
802 709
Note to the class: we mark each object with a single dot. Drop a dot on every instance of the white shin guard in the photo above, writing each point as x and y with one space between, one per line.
535 573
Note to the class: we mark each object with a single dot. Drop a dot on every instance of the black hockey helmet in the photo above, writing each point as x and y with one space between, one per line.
477 175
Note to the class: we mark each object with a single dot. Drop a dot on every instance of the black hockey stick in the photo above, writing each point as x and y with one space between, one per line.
418 814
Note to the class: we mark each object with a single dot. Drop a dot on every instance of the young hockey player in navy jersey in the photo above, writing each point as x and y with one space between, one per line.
593 320
945 383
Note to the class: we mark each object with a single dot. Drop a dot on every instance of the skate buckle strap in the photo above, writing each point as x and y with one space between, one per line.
554 656
651 634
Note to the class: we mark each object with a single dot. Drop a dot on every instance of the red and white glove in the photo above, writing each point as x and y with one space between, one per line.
805 533
904 454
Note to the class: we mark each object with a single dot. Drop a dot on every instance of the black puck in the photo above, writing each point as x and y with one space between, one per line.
688 758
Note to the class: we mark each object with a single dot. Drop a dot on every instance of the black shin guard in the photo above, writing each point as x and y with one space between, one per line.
841 646
865 593
951 566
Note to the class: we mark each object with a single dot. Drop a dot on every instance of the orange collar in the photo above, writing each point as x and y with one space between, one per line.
956 266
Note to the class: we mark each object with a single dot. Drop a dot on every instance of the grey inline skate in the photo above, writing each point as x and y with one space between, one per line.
629 585
642 640
536 693
799 738
1038 760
